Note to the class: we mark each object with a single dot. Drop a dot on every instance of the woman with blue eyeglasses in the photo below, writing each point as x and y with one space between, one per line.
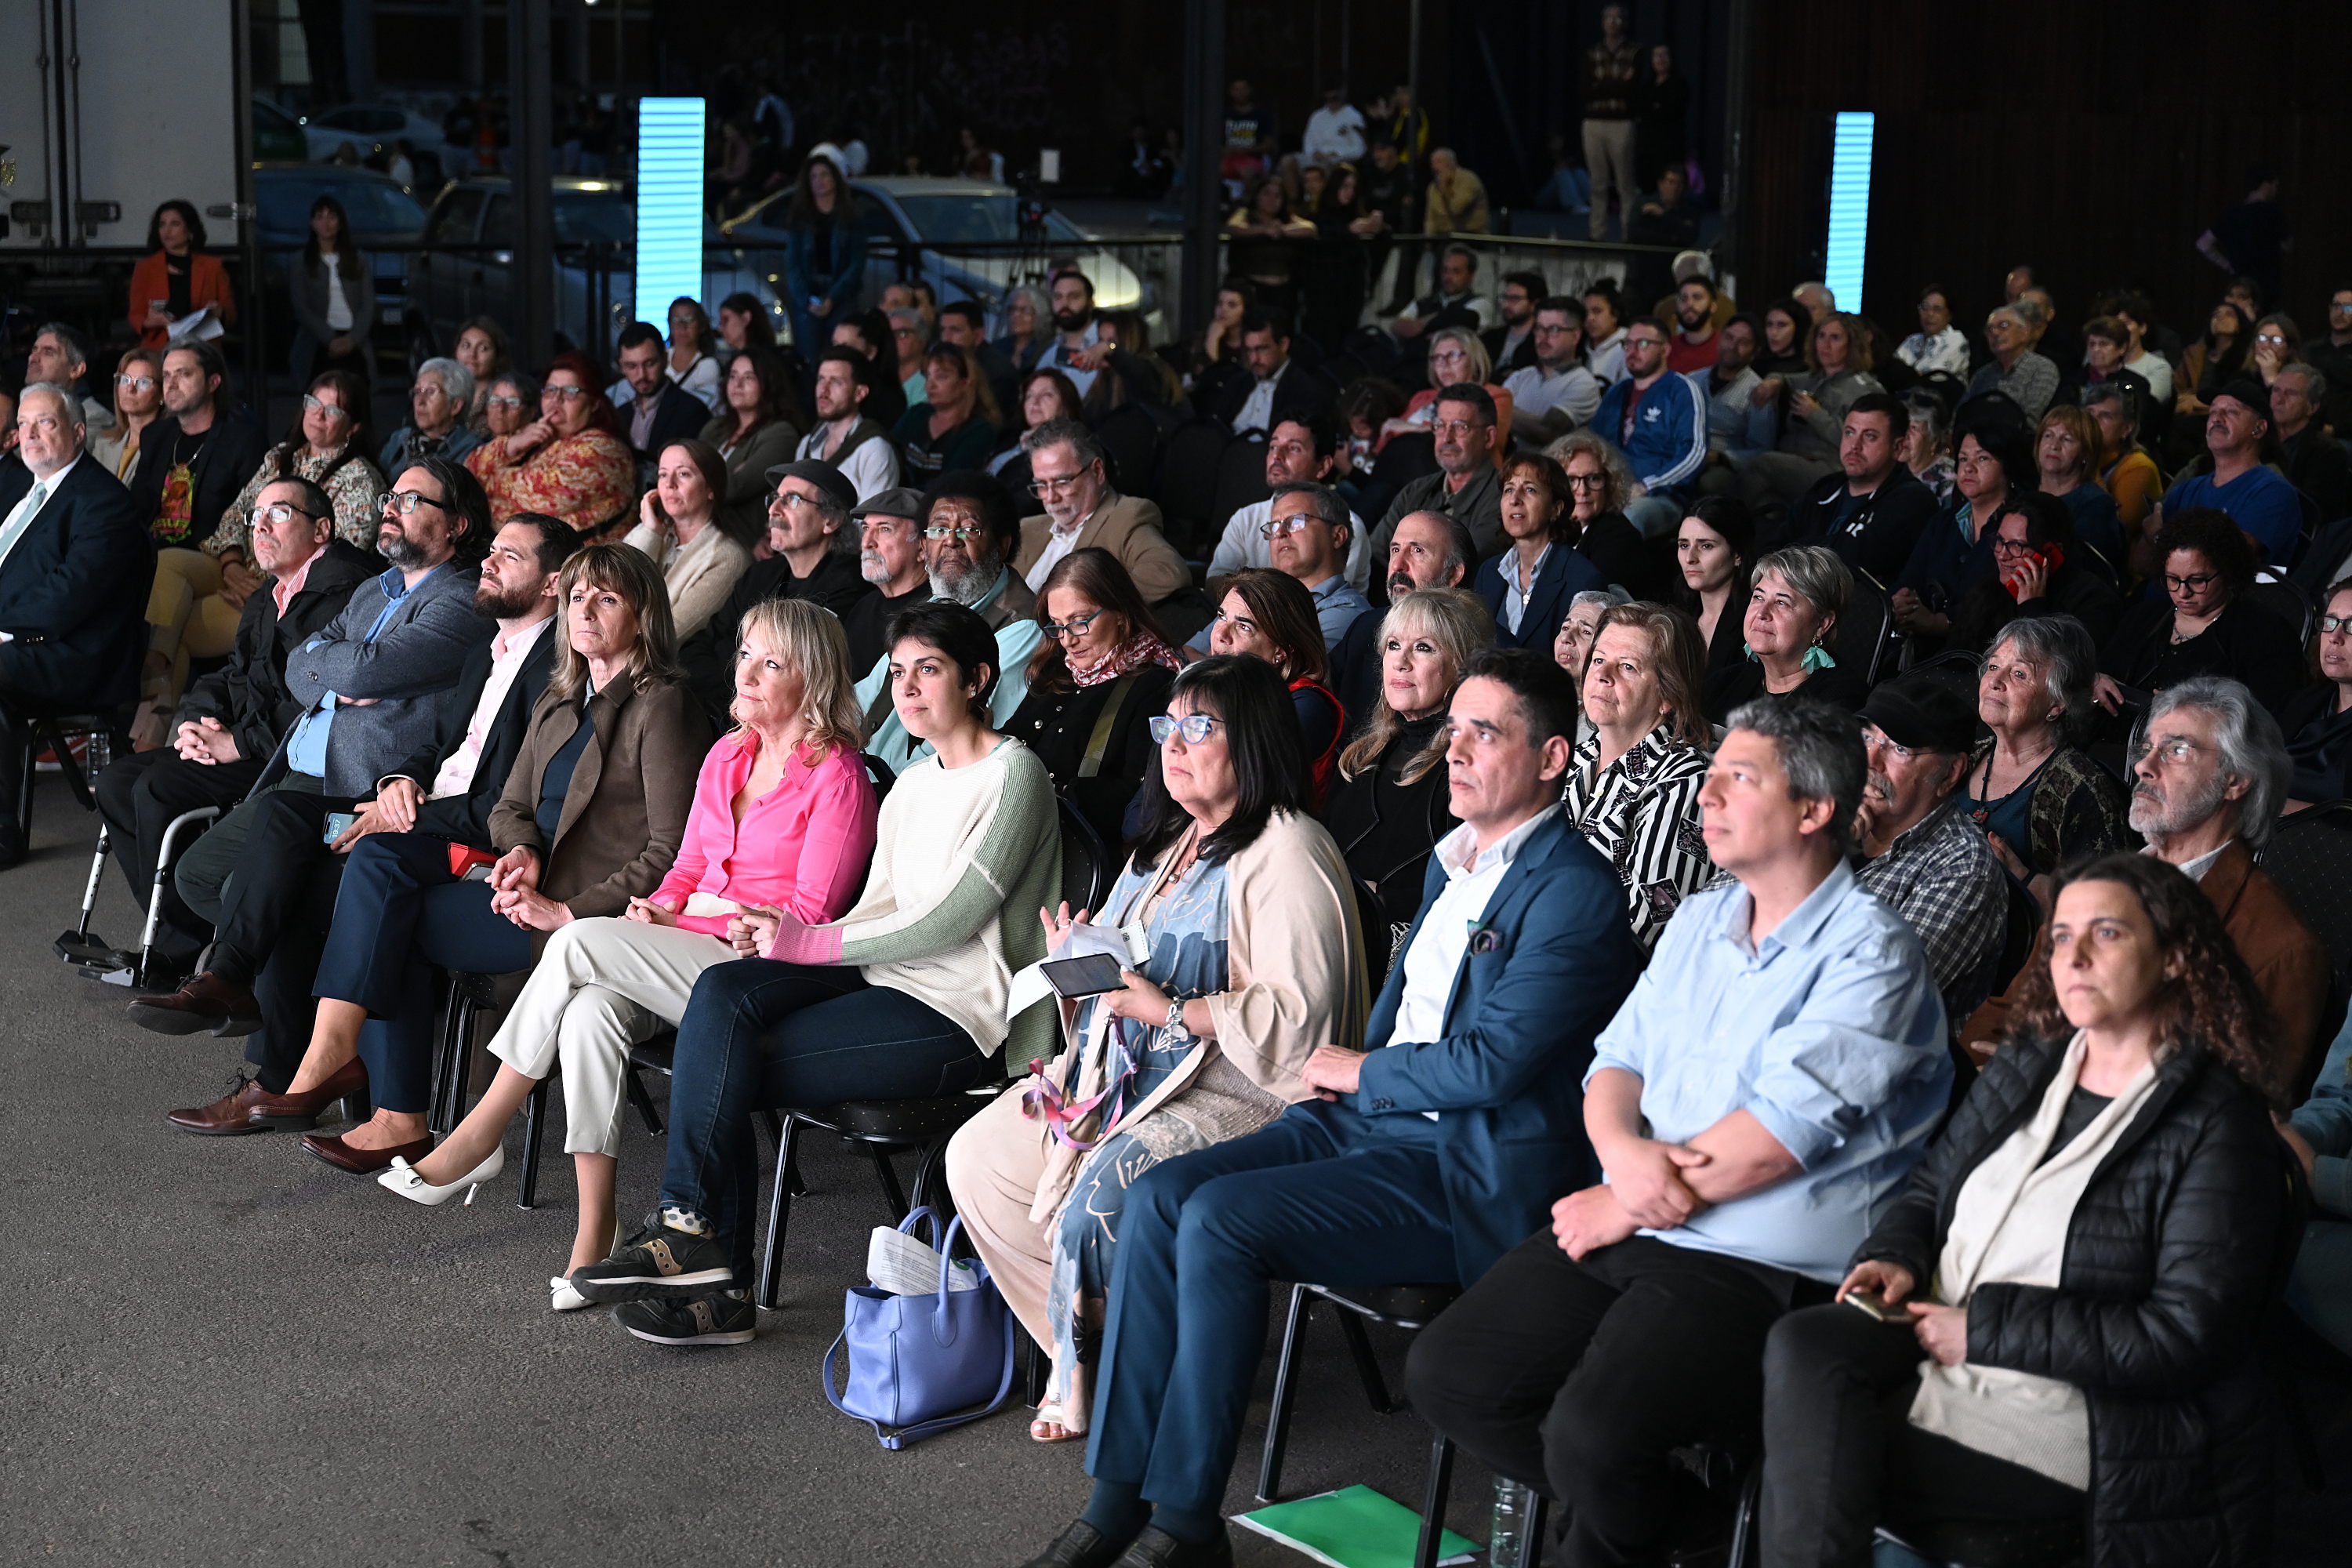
1100 674
1243 956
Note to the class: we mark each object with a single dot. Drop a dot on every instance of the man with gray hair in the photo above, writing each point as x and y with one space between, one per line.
60 357
2209 771
2312 459
911 339
1070 475
437 402
1306 531
2015 371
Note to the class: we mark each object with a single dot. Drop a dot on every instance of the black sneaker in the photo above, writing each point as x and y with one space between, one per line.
718 1320
657 1262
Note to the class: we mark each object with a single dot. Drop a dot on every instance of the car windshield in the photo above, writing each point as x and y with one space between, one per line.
375 209
959 219
583 218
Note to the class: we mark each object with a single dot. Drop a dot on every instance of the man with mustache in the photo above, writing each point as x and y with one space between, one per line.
890 561
1923 858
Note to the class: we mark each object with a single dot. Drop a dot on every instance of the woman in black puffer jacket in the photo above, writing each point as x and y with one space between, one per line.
2075 1271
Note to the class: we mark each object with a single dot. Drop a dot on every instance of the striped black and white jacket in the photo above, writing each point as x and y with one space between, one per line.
1641 812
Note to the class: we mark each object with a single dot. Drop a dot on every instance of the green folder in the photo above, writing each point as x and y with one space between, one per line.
1354 1527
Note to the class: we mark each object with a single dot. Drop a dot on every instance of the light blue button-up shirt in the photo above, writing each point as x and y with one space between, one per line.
306 752
1829 1032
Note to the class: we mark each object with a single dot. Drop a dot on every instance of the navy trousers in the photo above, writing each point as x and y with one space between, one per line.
400 910
1202 1236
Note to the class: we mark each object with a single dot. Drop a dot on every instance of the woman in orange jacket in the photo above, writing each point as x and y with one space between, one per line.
178 279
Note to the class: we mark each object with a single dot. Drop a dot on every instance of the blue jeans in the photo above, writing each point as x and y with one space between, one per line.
398 911
759 1035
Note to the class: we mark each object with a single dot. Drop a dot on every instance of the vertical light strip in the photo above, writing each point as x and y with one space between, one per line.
669 204
1849 208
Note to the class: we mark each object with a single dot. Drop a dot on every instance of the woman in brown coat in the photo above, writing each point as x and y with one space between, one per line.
592 818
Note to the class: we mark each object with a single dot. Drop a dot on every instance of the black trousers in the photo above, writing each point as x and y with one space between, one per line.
1840 1455
138 795
1580 1378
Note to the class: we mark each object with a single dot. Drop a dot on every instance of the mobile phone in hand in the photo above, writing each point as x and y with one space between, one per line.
1072 978
1872 1304
338 824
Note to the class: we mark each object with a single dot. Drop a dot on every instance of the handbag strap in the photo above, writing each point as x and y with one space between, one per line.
1106 725
899 1436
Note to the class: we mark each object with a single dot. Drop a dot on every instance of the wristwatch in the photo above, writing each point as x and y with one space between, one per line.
1177 1032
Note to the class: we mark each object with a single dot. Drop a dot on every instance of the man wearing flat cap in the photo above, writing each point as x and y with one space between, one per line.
815 558
890 559
1924 857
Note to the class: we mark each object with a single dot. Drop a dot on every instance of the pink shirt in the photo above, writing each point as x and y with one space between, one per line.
803 846
283 591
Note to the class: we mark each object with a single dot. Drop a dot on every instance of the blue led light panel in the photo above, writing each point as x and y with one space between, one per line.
670 203
1849 208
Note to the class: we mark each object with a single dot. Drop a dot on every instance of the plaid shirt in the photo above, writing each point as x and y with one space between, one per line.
1940 875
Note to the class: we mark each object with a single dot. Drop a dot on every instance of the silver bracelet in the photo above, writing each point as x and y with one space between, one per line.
1176 1029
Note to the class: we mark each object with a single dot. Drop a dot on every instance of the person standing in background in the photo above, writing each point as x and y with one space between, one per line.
1663 129
1611 69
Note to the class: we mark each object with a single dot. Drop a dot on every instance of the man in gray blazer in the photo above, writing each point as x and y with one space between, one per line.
369 684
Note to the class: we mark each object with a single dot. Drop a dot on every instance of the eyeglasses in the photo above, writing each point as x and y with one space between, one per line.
313 406
278 514
2193 584
562 393
967 531
2013 546
403 503
1586 481
787 498
1045 487
1455 426
1294 524
1076 626
135 383
2270 337
504 403
1872 735
2173 749
2332 624
1193 727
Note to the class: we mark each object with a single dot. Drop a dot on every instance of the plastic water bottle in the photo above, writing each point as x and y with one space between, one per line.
1506 1531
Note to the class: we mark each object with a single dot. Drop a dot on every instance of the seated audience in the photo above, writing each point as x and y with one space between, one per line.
694 350
1296 451
570 461
482 348
2040 797
1308 530
1277 387
2241 483
1713 548
782 816
1927 444
2073 1362
2124 468
1526 599
1427 549
2209 773
1100 674
138 404
591 816
2041 569
1990 462
75 572
1046 395
1632 784
1838 348
1071 477
1600 488
2318 721
2067 453
1255 964
2320 1134
232 718
60 358
755 429
437 401
1923 855
1268 615
1872 511
2106 352
2207 622
1659 421
2015 371
656 409
1418 1159
1776 1071
1573 648
890 561
1739 429
1466 485
844 435
1793 603
1390 803
1456 356
903 996
807 539
1557 393
1938 348
2312 457
954 426
679 529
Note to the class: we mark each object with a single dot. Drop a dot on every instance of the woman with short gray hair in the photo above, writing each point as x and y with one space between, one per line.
438 400
2035 792
1794 599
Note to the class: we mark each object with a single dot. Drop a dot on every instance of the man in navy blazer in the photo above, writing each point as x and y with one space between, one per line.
75 568
1421 1159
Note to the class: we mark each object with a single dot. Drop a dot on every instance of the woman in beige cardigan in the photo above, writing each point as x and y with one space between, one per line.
1240 933
679 529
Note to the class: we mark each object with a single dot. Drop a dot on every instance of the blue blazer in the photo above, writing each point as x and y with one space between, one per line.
73 593
1507 1076
1566 574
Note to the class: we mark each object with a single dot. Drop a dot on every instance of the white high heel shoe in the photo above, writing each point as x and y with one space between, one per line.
403 1179
563 1295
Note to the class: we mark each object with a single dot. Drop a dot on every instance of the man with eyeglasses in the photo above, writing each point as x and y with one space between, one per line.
194 460
2237 429
1070 476
1511 342
1307 533
844 437
1919 853
232 720
75 570
1295 450
59 357
1278 388
1465 486
1556 394
365 695
2210 770
1659 422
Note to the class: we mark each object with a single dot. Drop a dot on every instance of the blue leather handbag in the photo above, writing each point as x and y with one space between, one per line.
921 1365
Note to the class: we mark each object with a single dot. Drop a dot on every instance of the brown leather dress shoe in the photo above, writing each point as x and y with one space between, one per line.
249 1108
331 1150
205 1003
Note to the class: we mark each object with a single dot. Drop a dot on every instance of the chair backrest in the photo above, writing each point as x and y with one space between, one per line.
1863 631
1241 476
1188 473
1131 437
1087 869
2309 856
879 771
1379 956
2284 599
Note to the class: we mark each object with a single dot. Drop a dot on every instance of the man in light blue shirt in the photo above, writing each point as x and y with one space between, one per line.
1307 530
1759 1098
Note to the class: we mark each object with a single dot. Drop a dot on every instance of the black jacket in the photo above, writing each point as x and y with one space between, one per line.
1300 394
678 414
466 819
1387 829
248 695
708 656
231 454
2246 642
73 591
1883 531
2316 465
2168 1258
1059 726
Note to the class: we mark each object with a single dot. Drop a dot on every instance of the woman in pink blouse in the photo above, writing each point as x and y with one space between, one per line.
782 819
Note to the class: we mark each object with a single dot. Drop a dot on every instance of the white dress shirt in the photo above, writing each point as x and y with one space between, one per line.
1257 409
21 515
1058 544
508 652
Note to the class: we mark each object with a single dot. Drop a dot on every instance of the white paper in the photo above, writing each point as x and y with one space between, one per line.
196 326
904 1265
1030 985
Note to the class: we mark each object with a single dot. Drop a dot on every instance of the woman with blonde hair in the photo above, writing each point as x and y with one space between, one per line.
783 817
1456 355
1389 805
1632 788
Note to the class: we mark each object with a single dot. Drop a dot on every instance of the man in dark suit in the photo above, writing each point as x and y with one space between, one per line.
661 411
75 568
274 918
1278 388
232 718
196 458
1422 1160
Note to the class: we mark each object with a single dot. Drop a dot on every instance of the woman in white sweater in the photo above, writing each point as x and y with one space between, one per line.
678 529
905 996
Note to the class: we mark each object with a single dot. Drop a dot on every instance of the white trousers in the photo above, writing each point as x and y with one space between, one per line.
602 987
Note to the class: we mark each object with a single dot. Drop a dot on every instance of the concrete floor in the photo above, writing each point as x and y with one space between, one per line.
228 1352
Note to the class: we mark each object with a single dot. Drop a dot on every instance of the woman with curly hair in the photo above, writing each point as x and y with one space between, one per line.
2054 1349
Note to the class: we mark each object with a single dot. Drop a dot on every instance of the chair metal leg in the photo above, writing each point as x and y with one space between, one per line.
644 1101
780 1210
533 1126
167 856
887 1174
1038 1377
1433 1502
74 773
90 888
1539 1520
1286 1393
32 741
1368 1366
1745 1549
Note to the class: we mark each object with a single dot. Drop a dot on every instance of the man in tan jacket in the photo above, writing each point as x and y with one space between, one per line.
1083 512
